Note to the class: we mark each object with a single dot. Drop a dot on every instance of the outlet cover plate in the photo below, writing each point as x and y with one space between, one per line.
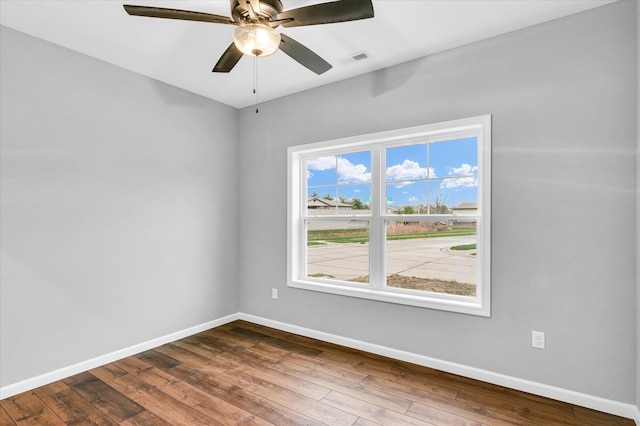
537 339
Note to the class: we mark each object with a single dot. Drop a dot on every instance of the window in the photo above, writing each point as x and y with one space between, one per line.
400 216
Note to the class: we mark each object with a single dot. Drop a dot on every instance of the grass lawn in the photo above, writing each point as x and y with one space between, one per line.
426 284
464 247
362 235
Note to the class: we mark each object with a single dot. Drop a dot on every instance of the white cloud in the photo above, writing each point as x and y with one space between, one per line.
321 163
348 172
461 182
464 169
408 170
413 200
464 182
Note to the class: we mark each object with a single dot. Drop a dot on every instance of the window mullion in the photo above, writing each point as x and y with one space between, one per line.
376 256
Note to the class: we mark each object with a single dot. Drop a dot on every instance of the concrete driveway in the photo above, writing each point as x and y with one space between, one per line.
423 258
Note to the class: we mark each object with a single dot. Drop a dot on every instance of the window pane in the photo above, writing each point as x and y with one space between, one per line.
453 196
407 197
406 163
338 250
338 182
439 257
454 158
356 199
354 168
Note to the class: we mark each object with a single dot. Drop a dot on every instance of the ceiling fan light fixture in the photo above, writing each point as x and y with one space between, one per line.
256 39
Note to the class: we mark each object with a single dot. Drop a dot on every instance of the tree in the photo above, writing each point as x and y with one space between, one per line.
407 210
342 199
327 196
314 194
357 204
438 205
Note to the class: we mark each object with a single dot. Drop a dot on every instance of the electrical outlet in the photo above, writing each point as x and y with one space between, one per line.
537 339
274 293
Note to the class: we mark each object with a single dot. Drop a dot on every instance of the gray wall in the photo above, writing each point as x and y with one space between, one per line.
638 212
563 100
117 208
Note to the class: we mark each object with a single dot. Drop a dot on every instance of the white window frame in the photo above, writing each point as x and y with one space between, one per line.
479 127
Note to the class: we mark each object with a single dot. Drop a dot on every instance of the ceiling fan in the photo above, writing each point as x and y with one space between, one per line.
256 20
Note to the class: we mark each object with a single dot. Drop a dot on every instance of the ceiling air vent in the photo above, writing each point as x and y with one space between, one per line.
355 57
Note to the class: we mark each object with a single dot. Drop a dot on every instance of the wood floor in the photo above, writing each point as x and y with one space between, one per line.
245 374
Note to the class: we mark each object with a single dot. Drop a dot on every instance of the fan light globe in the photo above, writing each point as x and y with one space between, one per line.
256 39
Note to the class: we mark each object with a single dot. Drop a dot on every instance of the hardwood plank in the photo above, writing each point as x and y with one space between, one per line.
291 337
231 338
227 413
300 386
365 422
292 347
159 403
27 409
329 368
516 408
213 342
231 355
307 406
241 397
5 420
192 358
216 358
536 402
75 410
198 348
371 412
407 371
410 386
163 381
158 359
434 400
441 417
146 418
50 389
597 418
243 353
368 394
107 399
207 404
107 372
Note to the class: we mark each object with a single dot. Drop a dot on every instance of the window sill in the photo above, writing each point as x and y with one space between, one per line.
443 302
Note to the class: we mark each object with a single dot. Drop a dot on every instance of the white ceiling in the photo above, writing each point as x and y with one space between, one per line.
182 53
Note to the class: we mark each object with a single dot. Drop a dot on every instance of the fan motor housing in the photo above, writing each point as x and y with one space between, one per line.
269 9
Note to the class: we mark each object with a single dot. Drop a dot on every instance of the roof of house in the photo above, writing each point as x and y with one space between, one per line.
466 206
318 203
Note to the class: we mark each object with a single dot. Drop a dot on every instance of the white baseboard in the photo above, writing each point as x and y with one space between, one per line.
560 394
577 398
62 373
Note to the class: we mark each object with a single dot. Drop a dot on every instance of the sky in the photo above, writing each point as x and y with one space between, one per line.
415 174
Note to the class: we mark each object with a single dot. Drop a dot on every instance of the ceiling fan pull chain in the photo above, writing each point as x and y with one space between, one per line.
255 81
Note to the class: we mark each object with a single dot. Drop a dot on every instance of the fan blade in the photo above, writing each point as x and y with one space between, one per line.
185 15
303 55
228 60
255 5
254 8
275 23
328 13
